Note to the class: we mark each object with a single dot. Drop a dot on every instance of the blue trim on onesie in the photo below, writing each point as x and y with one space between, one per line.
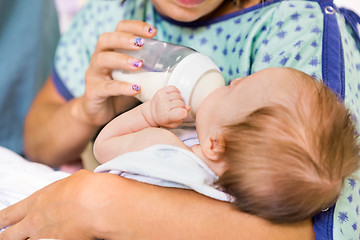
62 89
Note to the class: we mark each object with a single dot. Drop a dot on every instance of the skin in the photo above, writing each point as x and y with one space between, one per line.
188 11
134 130
70 209
174 214
255 91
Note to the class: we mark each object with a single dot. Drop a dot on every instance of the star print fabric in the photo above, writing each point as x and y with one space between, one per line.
278 33
347 215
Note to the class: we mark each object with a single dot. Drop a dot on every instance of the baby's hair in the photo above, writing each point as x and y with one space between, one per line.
286 163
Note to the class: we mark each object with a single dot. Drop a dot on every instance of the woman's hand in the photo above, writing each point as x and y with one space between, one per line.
40 215
81 206
57 131
104 97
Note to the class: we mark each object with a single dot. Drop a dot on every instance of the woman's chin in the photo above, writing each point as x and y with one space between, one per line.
184 16
189 3
186 10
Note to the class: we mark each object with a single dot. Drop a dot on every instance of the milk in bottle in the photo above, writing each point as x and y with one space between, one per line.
165 64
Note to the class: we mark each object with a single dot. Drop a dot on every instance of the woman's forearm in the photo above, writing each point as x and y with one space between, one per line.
89 205
167 213
54 132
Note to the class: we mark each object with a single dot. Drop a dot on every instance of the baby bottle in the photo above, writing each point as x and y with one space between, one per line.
165 64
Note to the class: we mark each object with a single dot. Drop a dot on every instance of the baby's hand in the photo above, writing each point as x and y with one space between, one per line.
168 108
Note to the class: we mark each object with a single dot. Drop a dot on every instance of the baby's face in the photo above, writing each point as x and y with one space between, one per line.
233 103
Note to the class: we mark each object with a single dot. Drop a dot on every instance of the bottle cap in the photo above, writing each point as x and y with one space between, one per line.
196 73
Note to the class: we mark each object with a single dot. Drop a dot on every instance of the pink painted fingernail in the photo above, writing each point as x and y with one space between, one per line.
150 29
139 42
137 64
135 87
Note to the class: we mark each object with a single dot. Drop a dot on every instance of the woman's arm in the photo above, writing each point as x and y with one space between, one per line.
57 131
90 205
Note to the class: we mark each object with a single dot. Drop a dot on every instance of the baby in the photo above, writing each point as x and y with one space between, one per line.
280 142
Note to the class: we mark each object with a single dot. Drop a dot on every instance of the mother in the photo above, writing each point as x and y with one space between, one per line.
311 36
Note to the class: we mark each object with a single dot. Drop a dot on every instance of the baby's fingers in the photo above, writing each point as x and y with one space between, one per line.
178 113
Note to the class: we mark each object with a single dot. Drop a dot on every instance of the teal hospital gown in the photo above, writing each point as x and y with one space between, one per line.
313 36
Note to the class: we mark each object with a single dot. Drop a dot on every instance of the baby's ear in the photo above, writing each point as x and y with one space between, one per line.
215 148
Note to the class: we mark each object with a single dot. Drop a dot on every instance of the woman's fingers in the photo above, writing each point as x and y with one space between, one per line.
16 232
105 62
115 88
101 101
47 213
129 35
118 40
13 218
14 213
136 27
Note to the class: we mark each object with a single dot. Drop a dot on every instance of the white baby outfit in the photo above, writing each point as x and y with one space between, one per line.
166 166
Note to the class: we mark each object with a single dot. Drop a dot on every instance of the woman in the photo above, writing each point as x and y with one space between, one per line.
311 36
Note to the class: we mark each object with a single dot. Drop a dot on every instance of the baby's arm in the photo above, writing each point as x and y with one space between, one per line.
139 127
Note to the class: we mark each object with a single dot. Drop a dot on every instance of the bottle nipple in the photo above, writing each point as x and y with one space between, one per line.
196 76
207 83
